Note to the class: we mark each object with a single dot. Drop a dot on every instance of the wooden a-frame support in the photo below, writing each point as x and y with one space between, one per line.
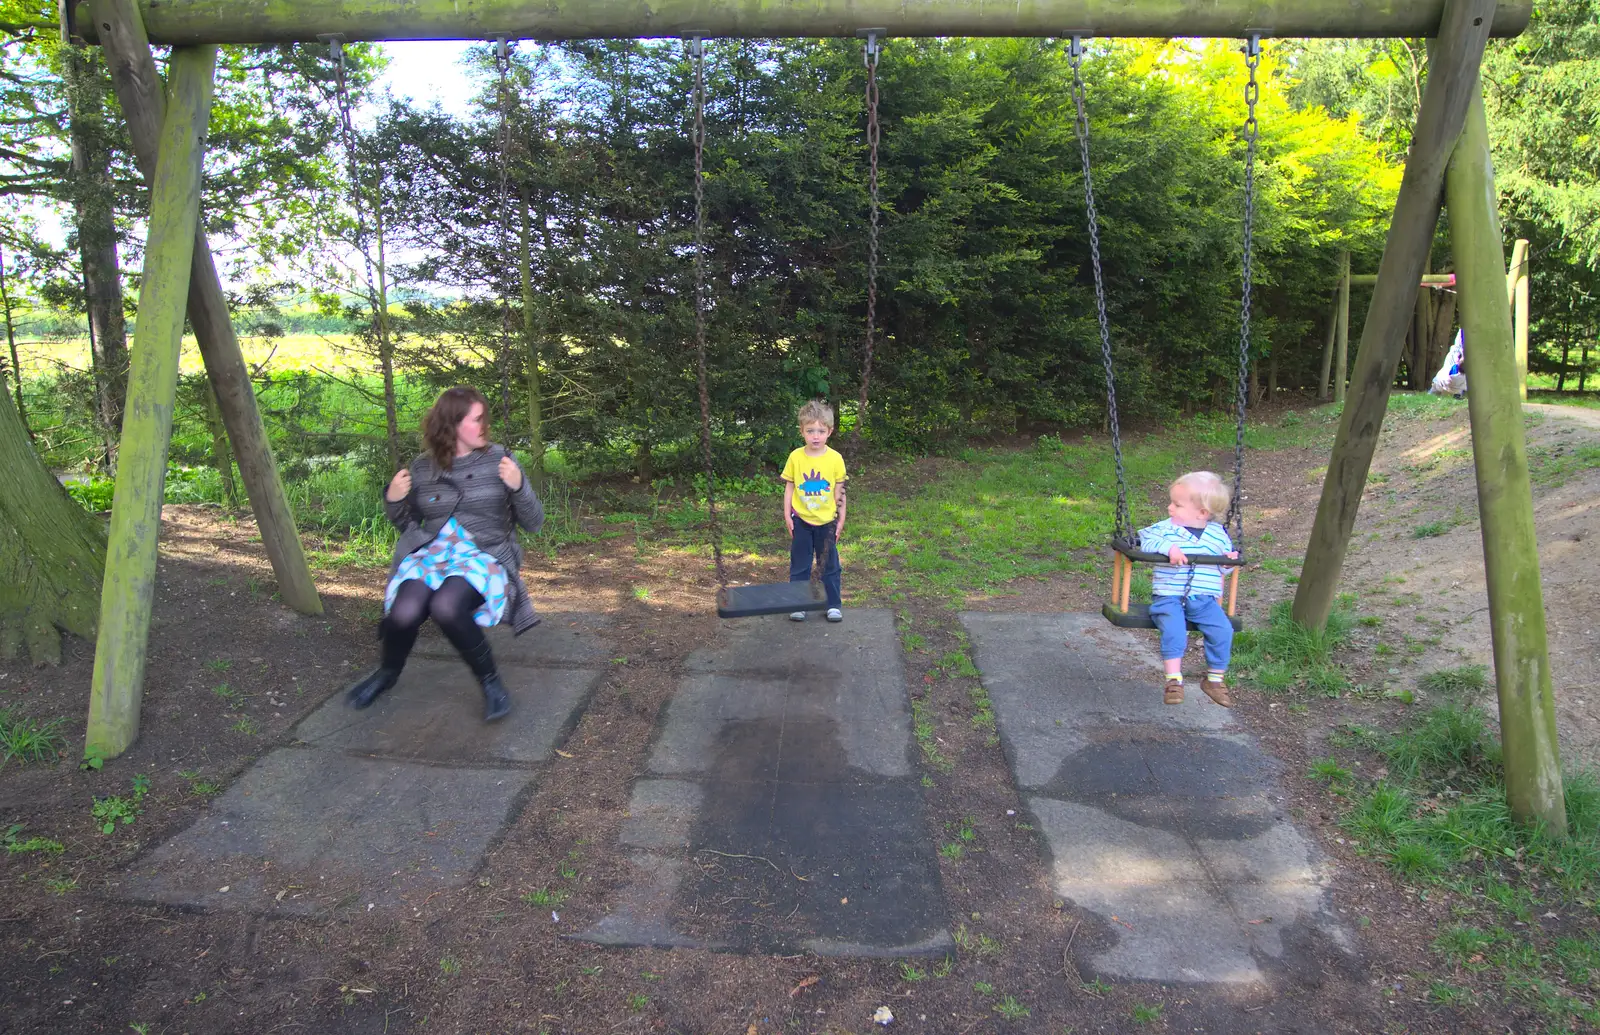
130 571
1449 147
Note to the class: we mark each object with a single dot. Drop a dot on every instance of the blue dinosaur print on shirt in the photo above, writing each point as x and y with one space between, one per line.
815 484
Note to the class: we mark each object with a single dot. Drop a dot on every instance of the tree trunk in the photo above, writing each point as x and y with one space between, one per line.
94 210
11 341
1566 354
221 454
52 553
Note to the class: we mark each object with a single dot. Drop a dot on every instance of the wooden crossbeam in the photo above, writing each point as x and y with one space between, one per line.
180 22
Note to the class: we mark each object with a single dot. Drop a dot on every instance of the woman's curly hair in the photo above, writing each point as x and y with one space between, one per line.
440 422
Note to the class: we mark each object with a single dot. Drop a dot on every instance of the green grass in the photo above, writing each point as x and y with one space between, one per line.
1439 819
25 739
1555 465
1284 655
1463 679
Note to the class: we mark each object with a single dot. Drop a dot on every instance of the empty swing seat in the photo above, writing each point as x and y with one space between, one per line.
777 598
1125 615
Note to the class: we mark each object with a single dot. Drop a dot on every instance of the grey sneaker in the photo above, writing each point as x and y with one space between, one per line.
835 615
797 616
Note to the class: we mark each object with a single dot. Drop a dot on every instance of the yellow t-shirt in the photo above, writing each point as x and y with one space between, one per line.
816 482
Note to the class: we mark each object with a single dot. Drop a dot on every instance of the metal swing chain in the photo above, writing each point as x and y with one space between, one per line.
697 50
1252 93
347 135
502 64
874 132
1123 520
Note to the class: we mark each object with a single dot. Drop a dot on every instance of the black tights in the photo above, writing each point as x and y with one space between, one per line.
450 606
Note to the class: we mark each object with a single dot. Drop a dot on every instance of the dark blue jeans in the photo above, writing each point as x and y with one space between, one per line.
808 538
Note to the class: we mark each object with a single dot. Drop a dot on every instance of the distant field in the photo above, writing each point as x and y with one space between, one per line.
291 352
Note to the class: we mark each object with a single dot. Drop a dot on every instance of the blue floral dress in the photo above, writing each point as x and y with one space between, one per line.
453 552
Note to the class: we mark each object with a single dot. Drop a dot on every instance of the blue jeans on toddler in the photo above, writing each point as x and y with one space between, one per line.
807 538
1170 615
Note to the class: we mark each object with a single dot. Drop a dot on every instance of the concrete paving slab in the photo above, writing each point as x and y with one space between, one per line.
641 915
435 714
1114 680
1166 821
661 814
304 831
383 807
805 821
1093 848
1175 933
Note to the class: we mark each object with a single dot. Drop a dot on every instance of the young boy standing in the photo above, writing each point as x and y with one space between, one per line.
814 505
1182 592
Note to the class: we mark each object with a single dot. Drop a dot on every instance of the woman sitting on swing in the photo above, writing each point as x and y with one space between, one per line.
457 560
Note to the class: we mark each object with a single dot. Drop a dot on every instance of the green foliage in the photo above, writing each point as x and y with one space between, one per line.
1284 654
1463 679
114 808
1438 816
26 739
15 845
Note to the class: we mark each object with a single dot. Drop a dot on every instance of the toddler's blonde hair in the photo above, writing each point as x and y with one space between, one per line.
1208 491
816 411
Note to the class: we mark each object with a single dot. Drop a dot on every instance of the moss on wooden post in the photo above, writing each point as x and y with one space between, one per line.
1505 492
284 21
139 90
130 577
1452 82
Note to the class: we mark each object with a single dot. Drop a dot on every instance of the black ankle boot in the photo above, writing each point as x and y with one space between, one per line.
496 703
374 683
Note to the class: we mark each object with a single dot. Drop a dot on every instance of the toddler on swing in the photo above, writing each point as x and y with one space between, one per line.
1181 592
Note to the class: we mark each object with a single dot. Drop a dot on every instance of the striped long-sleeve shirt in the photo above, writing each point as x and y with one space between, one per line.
1170 580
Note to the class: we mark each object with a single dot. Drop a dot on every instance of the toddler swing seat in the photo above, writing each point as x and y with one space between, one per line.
1124 615
1120 611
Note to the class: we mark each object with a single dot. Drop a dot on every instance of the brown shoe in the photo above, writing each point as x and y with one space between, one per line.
1217 690
1173 694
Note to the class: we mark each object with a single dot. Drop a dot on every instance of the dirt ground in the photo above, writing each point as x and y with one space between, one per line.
231 672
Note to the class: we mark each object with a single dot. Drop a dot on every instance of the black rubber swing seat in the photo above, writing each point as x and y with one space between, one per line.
1137 616
777 598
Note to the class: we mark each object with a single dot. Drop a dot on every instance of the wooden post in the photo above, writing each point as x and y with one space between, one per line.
286 21
130 579
1452 83
1327 349
1505 493
1517 298
139 89
1341 345
1419 339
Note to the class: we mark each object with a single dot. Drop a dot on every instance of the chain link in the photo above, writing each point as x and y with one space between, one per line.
1252 93
874 132
502 65
347 138
697 50
1123 526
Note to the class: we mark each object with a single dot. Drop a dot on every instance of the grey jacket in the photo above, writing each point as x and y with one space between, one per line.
473 492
